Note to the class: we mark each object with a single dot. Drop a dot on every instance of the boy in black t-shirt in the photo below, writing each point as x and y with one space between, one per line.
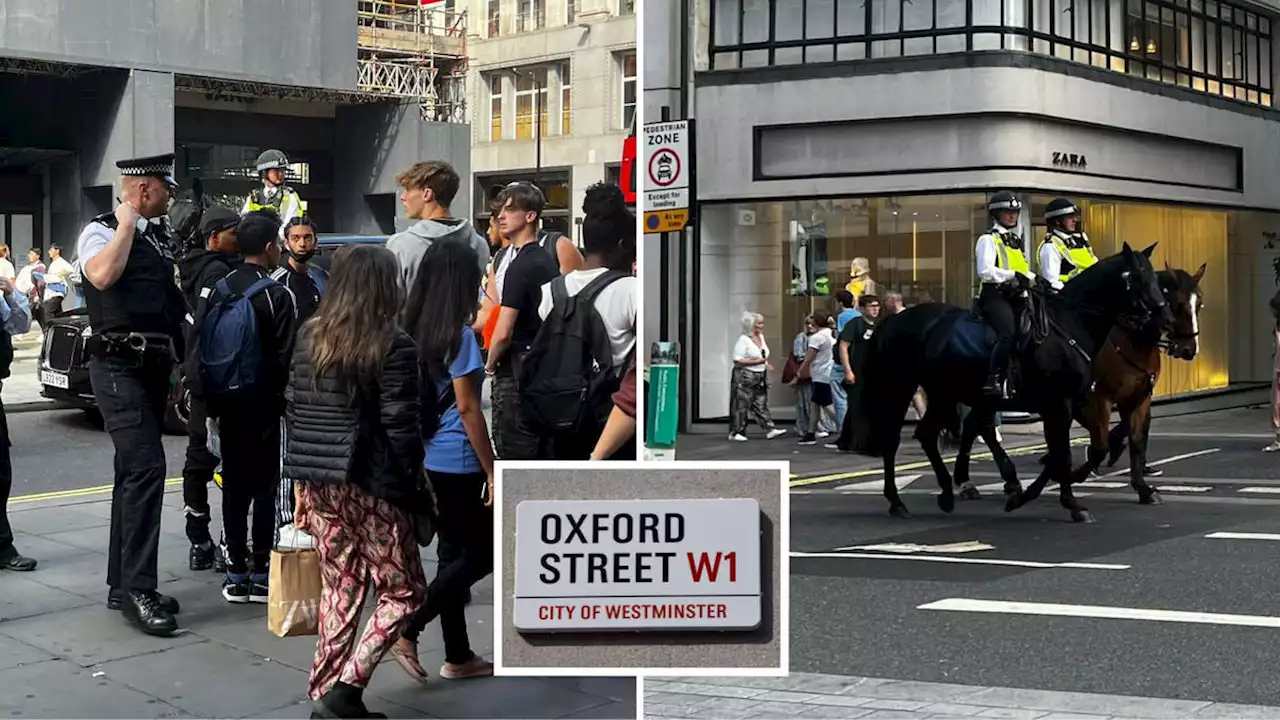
519 290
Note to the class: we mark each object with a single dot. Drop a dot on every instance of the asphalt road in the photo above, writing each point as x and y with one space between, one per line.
56 450
859 612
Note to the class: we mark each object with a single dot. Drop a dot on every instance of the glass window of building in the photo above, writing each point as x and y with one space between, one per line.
628 67
495 18
531 95
786 259
1203 45
566 102
495 107
531 15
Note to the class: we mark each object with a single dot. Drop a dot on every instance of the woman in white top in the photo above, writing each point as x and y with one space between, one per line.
749 391
817 365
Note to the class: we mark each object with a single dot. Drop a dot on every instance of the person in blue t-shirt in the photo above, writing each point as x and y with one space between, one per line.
441 307
840 392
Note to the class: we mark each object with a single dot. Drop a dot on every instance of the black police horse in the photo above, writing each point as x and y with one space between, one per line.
945 350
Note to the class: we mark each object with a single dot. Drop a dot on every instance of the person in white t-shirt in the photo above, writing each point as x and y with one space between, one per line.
818 361
609 244
7 270
749 394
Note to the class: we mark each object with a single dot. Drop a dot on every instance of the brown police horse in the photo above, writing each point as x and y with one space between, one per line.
1125 371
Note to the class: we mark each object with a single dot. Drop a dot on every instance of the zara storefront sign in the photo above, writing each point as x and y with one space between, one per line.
1071 161
635 565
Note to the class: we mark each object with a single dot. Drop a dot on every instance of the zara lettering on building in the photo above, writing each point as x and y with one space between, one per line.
1070 160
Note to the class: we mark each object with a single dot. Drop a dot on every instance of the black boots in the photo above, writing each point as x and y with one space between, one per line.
115 600
144 609
343 701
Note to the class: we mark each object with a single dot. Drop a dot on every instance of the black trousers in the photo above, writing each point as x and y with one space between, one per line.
197 473
250 474
998 312
131 396
464 547
6 487
512 439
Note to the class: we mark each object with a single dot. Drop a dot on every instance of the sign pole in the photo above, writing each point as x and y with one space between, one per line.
662 412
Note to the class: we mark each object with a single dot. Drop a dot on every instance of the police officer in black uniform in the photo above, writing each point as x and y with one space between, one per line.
135 310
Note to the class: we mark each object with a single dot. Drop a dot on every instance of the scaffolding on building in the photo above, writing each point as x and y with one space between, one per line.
416 50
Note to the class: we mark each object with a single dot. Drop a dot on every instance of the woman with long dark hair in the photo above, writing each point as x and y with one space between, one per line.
440 312
353 447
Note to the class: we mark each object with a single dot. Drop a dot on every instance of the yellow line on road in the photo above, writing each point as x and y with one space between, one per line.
78 492
799 482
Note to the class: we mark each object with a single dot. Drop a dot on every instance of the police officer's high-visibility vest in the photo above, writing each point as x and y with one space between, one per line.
1073 260
257 201
1009 258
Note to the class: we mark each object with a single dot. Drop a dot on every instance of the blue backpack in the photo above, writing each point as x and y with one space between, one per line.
230 351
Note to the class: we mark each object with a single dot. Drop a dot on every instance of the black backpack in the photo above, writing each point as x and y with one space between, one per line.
548 239
568 375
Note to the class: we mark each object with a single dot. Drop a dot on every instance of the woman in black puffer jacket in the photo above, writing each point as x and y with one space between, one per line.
354 450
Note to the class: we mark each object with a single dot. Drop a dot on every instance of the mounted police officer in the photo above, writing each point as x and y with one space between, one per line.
136 311
274 194
1004 274
1066 251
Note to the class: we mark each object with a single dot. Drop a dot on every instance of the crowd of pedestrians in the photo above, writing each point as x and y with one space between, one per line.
343 404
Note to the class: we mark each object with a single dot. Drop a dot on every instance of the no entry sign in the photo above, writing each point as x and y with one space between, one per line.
593 565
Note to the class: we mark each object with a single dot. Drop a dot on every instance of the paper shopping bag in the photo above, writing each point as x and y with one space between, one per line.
293 595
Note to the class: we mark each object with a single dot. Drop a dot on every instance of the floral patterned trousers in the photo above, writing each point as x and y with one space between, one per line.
360 540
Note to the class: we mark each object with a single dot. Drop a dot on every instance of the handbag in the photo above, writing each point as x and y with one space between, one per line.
790 370
423 513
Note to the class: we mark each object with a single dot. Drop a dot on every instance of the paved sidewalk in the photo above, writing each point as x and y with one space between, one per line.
806 695
63 654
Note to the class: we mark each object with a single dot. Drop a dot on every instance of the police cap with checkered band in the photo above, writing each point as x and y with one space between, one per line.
156 166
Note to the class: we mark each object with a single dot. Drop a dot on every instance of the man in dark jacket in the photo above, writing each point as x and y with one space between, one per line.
249 424
199 271
296 272
855 341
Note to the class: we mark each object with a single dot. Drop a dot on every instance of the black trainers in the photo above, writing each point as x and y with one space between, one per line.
258 588
237 588
809 439
201 557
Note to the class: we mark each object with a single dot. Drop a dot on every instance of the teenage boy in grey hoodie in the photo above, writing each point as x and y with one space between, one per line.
429 189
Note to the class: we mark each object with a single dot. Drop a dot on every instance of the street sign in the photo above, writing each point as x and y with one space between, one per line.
668 164
666 221
646 565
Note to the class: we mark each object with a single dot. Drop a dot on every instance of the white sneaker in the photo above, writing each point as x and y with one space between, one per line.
776 432
738 437
832 446
822 433
999 437
1274 446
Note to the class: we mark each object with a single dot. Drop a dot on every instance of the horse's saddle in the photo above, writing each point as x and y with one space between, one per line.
966 336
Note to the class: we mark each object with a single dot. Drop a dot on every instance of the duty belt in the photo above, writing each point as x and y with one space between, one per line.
130 346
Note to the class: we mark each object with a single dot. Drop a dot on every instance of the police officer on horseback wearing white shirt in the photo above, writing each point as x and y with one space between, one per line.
1065 252
1004 274
274 194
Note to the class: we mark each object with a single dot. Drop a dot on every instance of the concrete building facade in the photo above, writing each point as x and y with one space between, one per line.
573 64
877 130
214 81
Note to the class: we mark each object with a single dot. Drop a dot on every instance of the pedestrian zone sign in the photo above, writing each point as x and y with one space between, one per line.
668 157
637 565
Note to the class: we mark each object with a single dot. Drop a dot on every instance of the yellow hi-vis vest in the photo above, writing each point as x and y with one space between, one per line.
1075 260
258 202
1008 258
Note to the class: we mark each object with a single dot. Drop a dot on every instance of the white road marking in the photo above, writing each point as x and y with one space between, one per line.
1100 611
961 560
1261 490
1243 536
1102 484
1183 488
959 547
1167 460
902 481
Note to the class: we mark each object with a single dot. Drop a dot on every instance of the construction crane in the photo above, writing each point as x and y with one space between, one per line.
417 50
